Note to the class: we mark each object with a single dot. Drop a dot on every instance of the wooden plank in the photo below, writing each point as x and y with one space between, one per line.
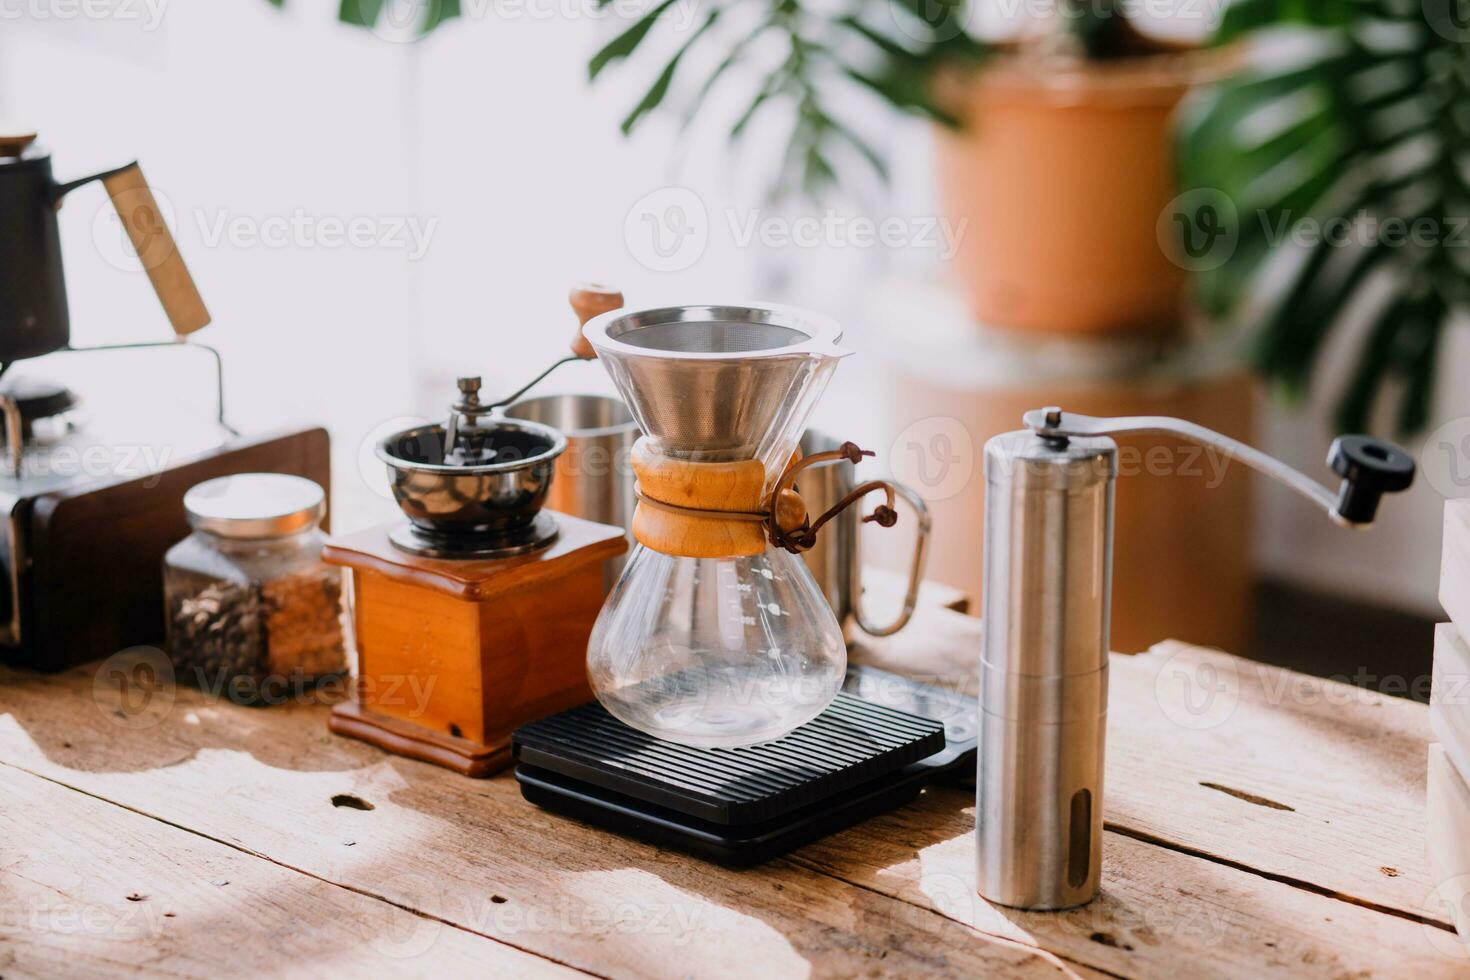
1309 779
481 837
88 888
1160 912
1306 778
470 852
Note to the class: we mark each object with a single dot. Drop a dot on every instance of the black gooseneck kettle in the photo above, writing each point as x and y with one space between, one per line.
33 308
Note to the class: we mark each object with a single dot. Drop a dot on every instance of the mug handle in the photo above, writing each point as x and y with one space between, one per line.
916 570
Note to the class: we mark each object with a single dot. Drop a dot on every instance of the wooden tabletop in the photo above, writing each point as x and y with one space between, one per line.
1259 822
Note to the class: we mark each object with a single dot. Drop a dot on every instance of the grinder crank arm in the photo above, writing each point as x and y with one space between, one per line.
1369 467
588 300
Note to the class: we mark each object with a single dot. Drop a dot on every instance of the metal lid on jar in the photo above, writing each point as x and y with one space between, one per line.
255 505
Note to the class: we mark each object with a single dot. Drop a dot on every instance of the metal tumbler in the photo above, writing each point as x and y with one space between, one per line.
1044 668
836 559
594 478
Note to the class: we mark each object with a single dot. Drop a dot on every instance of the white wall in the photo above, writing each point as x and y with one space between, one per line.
1396 562
246 116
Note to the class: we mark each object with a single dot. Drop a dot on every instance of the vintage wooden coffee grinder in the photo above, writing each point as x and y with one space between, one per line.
473 614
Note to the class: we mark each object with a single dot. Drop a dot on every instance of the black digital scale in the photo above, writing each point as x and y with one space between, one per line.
872 750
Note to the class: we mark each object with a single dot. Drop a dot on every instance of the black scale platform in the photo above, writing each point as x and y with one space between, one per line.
740 807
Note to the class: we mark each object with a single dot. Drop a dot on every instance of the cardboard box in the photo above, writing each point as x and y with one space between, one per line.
1454 564
1448 837
1449 696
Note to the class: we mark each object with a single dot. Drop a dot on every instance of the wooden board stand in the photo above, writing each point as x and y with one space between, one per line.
455 655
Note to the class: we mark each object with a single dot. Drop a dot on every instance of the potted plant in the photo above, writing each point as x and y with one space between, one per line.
1328 172
1062 168
1055 148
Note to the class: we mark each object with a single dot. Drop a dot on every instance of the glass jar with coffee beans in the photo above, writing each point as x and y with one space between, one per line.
253 614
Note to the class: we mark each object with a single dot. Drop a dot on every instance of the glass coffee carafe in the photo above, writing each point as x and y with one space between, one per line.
717 649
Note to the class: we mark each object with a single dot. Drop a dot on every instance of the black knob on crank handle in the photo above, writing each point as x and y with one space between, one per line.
1369 468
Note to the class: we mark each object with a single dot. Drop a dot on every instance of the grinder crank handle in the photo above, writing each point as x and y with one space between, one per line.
1369 467
589 300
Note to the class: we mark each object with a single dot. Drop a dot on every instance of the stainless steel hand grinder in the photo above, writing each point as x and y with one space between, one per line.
1044 669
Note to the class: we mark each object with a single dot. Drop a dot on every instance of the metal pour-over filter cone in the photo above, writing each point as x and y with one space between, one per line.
719 383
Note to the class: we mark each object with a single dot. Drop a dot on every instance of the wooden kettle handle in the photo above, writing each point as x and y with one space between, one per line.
156 250
590 300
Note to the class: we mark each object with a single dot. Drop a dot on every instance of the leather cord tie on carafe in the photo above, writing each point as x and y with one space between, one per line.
694 509
804 537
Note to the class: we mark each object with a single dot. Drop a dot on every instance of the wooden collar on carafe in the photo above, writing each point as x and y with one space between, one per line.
720 510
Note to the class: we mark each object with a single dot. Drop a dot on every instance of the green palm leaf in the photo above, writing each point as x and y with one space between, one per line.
1355 129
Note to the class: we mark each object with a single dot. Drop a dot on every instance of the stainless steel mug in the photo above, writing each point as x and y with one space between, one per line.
836 560
594 478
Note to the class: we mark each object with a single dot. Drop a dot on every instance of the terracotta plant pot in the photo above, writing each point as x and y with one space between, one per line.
1060 178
